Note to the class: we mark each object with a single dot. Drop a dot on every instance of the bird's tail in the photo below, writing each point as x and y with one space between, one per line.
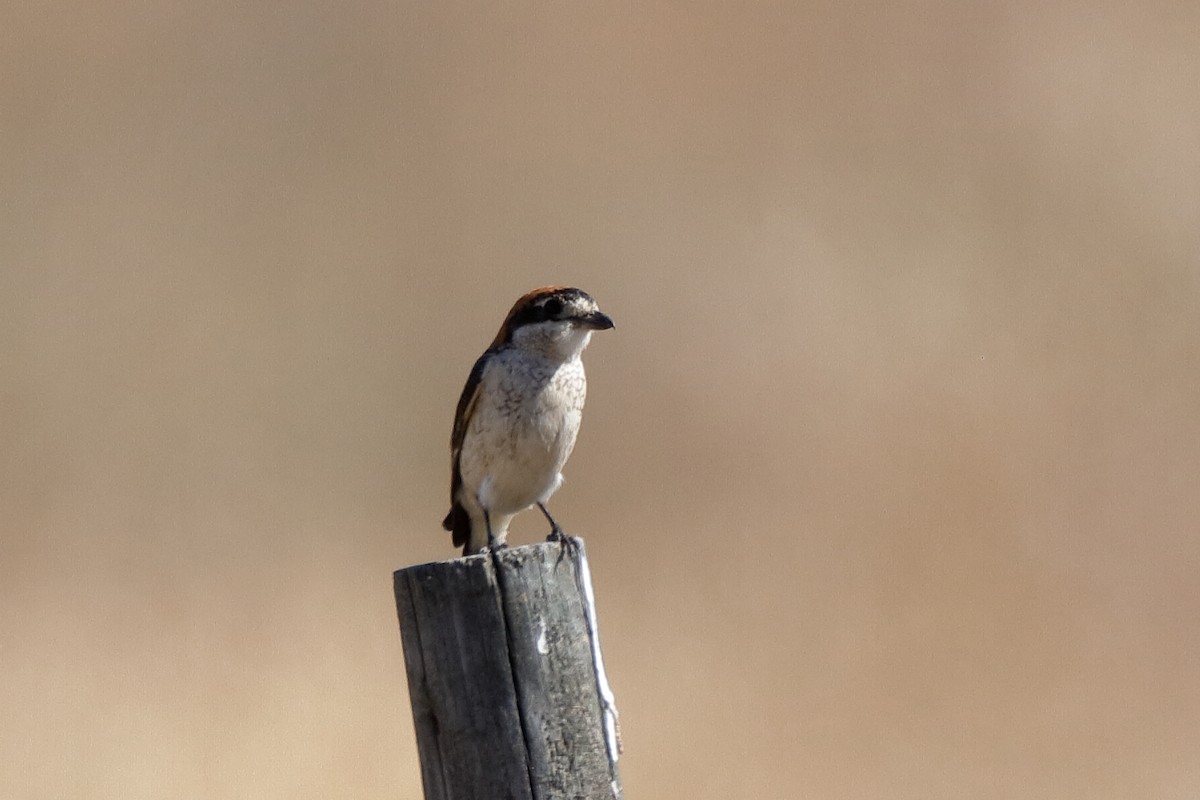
458 522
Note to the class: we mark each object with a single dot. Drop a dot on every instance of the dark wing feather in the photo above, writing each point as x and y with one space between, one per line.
458 522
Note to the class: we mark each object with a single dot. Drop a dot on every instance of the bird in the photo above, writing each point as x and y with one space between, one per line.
518 416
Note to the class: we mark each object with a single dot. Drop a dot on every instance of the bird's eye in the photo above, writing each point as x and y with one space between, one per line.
553 307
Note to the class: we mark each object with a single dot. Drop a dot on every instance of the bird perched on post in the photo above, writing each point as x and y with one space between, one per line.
519 414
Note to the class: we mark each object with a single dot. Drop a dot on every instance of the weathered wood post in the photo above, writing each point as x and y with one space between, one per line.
505 676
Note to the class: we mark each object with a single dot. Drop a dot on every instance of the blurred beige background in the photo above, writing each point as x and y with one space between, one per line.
890 469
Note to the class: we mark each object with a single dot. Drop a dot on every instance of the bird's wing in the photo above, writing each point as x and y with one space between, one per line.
466 406
457 520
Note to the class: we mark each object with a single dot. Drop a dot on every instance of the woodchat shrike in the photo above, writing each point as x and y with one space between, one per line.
519 414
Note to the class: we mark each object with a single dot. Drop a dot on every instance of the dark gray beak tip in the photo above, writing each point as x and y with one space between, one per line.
600 321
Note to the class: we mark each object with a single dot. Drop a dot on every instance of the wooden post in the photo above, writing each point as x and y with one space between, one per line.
507 685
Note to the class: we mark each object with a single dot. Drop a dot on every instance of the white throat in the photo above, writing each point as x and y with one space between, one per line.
561 341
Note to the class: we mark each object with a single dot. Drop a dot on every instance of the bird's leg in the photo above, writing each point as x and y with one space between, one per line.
556 533
492 543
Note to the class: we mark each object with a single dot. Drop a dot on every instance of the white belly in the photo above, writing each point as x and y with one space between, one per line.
520 436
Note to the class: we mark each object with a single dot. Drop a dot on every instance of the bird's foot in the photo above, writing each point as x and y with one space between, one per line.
569 543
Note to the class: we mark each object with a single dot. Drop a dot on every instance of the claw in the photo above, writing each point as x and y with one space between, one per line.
569 544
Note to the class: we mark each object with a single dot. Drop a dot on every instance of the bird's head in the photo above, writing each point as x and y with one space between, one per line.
556 319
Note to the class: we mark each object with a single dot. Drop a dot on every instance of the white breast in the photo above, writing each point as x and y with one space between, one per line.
522 431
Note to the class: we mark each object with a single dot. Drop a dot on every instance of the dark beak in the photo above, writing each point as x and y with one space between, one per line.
597 321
